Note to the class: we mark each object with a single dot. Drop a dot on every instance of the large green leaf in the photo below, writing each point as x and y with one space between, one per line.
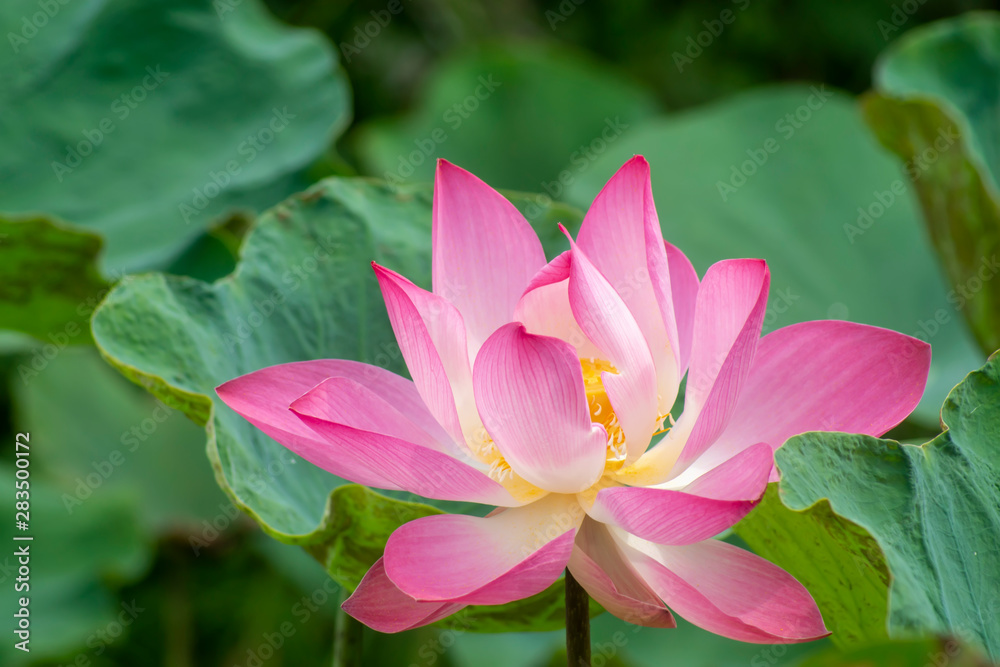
49 280
937 106
799 210
839 562
144 119
303 289
933 510
516 117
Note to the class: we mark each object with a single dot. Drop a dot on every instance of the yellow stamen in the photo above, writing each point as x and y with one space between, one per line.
601 411
659 420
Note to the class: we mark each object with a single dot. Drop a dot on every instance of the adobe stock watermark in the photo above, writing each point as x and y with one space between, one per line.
122 107
433 649
30 25
565 9
580 160
454 117
248 149
223 7
697 44
769 656
779 303
303 611
584 156
99 640
901 13
364 34
103 469
292 279
786 126
57 341
914 168
959 297
258 482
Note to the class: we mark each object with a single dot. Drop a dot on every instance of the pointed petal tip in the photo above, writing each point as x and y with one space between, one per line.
638 160
227 389
448 169
385 273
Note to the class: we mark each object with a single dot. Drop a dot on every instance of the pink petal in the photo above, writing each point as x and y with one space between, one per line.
381 606
744 476
494 560
599 566
263 397
431 337
668 517
344 401
544 308
621 236
374 439
728 318
555 271
607 322
728 591
825 376
531 396
684 295
484 251
706 507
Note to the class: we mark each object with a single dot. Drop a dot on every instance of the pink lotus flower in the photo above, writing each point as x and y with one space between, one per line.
543 389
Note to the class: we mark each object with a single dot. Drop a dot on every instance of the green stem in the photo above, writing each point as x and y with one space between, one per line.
347 639
577 623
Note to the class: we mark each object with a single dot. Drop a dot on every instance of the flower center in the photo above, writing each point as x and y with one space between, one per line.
601 411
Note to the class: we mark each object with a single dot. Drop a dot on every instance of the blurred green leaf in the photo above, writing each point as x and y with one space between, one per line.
615 642
304 289
70 561
926 653
516 117
688 645
104 435
937 106
146 119
49 280
810 171
932 509
224 606
840 563
213 255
